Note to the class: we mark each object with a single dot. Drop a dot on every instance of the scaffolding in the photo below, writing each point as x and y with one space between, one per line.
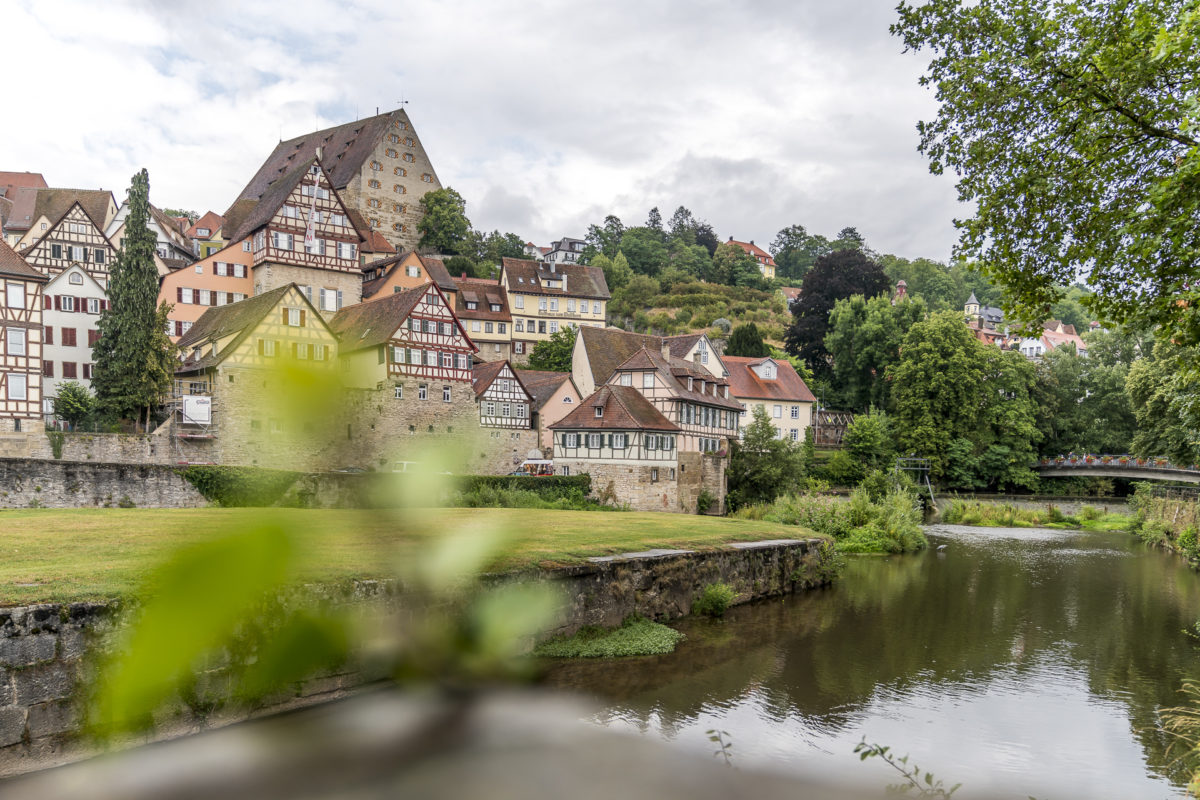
193 420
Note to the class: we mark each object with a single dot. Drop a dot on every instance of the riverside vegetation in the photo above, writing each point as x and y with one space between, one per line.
1007 515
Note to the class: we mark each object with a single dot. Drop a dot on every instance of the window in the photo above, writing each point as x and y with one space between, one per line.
75 279
472 306
293 317
445 394
647 380
651 441
554 304
345 250
16 342
595 441
398 189
626 379
374 184
282 241
93 336
17 386
14 295
571 305
619 441
391 153
571 440
266 347
777 411
205 297
568 400
596 307
519 301
47 369
487 327
401 172
447 328
795 412
431 358
599 411
410 142
373 203
474 326
318 352
427 178
422 392
56 250
541 304
654 474
553 326
246 246
519 347
447 359
409 157
795 435
501 327
69 369
291 212
393 138
398 392
68 338
375 165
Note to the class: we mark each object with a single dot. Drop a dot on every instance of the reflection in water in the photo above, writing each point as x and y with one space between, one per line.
1029 662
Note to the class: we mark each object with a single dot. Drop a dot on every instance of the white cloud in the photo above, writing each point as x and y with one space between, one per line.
546 116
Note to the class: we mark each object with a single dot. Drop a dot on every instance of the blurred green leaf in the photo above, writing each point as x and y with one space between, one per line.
303 644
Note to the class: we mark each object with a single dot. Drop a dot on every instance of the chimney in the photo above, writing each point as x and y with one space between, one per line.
464 275
564 281
666 350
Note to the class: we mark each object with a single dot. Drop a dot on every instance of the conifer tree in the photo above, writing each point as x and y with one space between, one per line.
134 356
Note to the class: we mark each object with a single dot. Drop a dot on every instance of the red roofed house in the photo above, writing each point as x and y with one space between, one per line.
766 264
554 396
207 234
506 416
628 448
774 386
1055 334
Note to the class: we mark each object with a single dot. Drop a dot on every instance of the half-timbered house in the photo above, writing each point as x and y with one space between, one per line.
626 445
598 351
20 343
172 247
505 414
300 232
239 368
407 362
73 239
35 210
405 271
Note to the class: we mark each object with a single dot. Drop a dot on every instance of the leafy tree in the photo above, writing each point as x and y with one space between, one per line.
869 440
74 403
864 340
134 358
1084 405
761 465
795 252
1071 128
637 295
654 221
554 354
941 288
617 272
181 212
605 238
745 340
733 266
444 226
489 249
849 237
645 250
691 260
835 276
1166 404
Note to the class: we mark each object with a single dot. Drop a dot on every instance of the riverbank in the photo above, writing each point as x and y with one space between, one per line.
71 555
1010 515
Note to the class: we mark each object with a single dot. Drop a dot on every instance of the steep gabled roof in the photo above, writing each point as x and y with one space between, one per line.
20 216
13 265
271 201
485 373
622 408
374 322
542 385
529 277
608 347
484 293
211 220
754 250
675 373
344 148
23 180
170 228
221 321
434 268
744 382
55 203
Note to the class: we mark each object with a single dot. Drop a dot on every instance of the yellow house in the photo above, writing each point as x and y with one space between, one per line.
545 298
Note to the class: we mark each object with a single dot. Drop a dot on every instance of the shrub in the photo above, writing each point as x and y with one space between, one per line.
714 600
637 636
56 442
549 487
1089 513
240 486
841 469
705 501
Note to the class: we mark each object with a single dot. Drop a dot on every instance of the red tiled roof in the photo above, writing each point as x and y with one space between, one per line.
484 374
790 293
754 250
608 347
211 220
484 293
744 382
11 263
529 277
622 408
376 242
22 179
675 373
542 385
373 322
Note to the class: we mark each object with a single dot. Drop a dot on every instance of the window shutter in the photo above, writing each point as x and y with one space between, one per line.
48 303
381 354
302 318
212 298
339 299
262 349
283 312
58 302
609 440
178 294
104 305
322 303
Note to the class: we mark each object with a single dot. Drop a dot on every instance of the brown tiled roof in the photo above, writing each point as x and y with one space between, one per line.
270 202
484 374
745 383
344 148
483 292
22 179
675 373
6 207
542 385
236 215
21 215
608 347
623 408
582 280
211 220
434 268
375 242
374 322
754 250
12 264
55 203
170 227
790 293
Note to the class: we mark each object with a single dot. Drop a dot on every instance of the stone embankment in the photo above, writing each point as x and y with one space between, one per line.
1068 505
46 650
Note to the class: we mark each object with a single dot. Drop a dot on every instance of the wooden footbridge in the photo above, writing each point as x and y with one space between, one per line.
1118 466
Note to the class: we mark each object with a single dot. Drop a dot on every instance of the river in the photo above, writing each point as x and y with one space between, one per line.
1020 662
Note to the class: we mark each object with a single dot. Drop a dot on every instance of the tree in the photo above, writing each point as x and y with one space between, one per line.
762 466
835 276
74 403
795 252
616 270
554 354
1166 404
645 249
1071 128
654 221
864 340
605 238
869 440
733 266
444 226
849 237
134 358
745 340
182 212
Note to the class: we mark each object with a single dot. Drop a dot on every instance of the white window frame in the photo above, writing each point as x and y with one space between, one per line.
12 337
423 392
14 295
446 397
18 386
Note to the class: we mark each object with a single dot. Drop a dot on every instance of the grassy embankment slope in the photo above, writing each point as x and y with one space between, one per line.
1006 515
94 554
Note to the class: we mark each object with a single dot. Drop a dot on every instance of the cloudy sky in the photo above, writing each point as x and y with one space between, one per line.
545 115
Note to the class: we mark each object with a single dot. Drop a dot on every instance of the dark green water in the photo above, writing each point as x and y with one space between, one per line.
1020 662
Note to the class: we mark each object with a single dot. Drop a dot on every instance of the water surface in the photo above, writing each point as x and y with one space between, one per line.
1017 661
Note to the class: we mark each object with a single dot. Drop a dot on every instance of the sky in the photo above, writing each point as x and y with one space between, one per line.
546 116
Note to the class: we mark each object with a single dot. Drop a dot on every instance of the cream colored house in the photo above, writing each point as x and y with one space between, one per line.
546 298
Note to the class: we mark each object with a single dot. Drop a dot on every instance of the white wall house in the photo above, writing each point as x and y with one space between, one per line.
564 251
71 309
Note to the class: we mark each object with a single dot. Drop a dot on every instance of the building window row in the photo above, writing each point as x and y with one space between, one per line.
67 336
206 297
415 356
270 348
71 304
70 370
227 270
74 252
514 410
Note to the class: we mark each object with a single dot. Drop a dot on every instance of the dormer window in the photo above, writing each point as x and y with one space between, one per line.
472 306
690 388
203 231
494 307
599 411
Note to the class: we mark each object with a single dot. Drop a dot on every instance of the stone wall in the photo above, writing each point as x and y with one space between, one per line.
271 275
699 472
109 448
629 484
32 483
504 449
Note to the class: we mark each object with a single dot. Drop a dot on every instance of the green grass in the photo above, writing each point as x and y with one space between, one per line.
638 636
93 554
1006 515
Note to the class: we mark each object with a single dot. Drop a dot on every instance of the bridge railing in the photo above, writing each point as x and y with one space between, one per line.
1124 461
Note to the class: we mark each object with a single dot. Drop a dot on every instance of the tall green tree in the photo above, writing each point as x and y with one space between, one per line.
444 226
834 277
795 251
1166 404
645 250
554 354
73 403
864 341
762 466
134 358
1071 128
747 341
604 238
733 266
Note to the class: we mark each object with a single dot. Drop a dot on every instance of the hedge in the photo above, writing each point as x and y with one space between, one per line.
240 486
548 487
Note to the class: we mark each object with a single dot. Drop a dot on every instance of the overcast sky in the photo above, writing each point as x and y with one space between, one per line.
545 115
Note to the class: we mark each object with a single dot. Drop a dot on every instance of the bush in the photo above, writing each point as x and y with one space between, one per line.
841 469
1090 513
705 501
714 600
549 487
637 636
859 525
239 487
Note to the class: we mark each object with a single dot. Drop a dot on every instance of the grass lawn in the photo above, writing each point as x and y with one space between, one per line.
95 554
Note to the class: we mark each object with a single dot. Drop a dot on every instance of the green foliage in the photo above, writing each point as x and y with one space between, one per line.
860 525
914 781
554 354
134 358
57 439
825 569
1071 130
864 340
548 487
762 466
1165 397
834 277
74 403
617 272
637 636
745 340
518 492
714 600
869 440
240 487
841 469
733 266
444 226
705 501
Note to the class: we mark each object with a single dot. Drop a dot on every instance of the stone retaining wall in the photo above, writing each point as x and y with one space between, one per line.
33 483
